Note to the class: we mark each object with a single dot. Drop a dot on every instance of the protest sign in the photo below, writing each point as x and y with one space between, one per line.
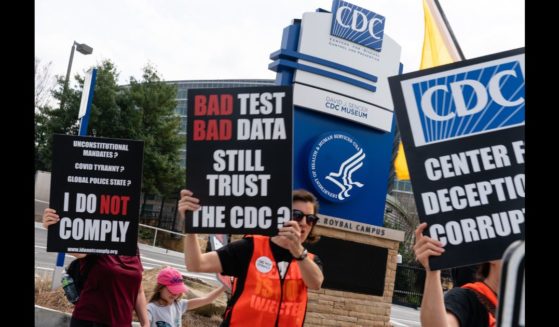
95 189
239 159
462 128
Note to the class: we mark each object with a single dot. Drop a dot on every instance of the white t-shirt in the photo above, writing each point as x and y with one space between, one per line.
167 316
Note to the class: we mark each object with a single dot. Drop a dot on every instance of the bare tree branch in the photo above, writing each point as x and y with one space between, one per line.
44 83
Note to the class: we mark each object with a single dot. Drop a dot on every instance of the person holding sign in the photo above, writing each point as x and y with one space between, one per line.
272 274
113 289
471 305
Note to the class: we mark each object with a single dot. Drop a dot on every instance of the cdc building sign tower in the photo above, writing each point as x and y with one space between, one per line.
338 63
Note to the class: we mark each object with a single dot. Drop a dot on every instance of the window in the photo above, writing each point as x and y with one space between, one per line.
181 93
181 107
183 125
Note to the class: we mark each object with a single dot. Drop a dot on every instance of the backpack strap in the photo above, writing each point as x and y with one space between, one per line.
88 263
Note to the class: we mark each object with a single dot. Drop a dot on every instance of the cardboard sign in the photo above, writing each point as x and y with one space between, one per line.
238 159
462 127
95 189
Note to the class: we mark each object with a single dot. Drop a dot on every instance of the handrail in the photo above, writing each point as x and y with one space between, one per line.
162 229
159 229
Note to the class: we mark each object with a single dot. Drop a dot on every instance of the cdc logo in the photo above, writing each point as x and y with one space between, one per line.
357 25
468 102
336 166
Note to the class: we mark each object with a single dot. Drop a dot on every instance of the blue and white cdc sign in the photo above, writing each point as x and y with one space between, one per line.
357 25
462 127
339 64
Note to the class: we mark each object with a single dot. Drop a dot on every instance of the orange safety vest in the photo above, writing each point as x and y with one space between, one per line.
264 301
487 297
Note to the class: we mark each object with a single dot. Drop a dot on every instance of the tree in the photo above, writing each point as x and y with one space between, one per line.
50 120
113 113
159 128
144 110
44 83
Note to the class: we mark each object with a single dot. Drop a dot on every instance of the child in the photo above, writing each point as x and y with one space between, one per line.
165 308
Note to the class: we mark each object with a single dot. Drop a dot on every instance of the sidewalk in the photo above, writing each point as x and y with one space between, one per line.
45 317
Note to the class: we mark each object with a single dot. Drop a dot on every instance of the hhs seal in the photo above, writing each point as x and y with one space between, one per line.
335 166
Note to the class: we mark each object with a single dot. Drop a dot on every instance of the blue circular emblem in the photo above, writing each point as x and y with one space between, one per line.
336 163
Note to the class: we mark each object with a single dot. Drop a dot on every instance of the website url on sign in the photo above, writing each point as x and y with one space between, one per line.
86 250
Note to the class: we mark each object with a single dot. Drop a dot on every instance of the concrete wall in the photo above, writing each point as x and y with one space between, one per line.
338 308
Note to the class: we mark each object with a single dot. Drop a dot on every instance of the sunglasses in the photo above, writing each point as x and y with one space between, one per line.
298 215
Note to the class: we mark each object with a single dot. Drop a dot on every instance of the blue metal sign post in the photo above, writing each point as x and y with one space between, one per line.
83 115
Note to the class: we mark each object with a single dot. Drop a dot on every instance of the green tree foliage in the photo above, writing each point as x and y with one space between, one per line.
159 127
143 110
50 120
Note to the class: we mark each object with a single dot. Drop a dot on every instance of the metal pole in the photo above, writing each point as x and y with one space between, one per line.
61 255
67 75
154 237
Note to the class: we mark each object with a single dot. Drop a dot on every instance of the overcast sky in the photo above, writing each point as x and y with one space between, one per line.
226 39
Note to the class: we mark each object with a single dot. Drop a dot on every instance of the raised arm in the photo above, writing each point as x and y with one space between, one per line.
433 312
207 299
194 259
310 272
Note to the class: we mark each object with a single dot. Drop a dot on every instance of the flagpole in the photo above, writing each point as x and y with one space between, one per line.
449 29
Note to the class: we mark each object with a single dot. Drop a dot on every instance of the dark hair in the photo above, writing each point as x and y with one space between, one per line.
156 293
464 275
483 271
306 196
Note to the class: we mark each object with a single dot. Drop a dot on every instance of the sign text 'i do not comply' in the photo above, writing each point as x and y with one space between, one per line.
239 159
95 189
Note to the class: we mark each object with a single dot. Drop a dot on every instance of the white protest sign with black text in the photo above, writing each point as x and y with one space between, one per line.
462 128
239 159
95 189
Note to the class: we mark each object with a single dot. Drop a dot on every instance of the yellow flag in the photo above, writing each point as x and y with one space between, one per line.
439 45
401 165
439 48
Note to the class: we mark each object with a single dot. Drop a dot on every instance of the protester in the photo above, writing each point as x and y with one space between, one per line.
113 289
272 274
165 308
464 275
471 305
